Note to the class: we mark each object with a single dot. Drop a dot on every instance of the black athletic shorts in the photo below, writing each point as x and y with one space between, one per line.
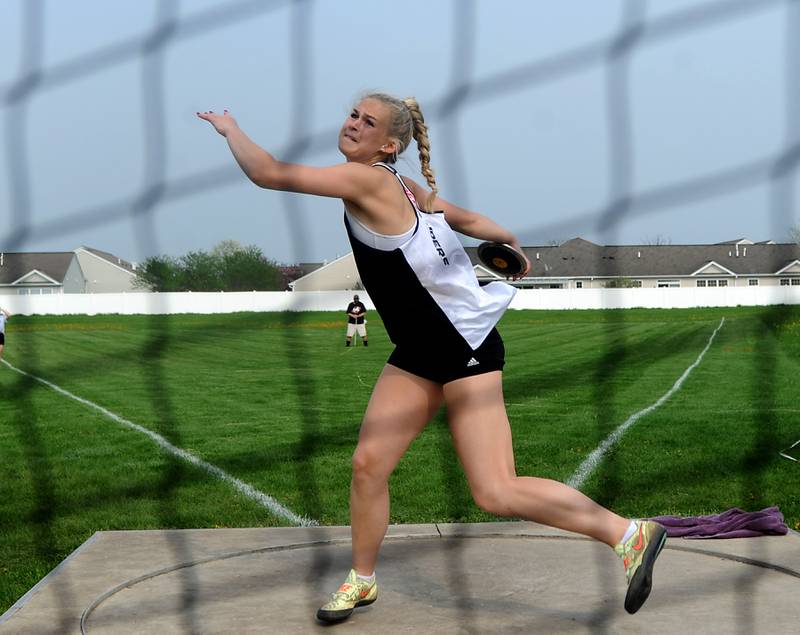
443 367
2 339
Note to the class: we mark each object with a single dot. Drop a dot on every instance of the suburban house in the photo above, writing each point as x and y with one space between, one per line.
52 272
332 276
581 264
105 272
84 270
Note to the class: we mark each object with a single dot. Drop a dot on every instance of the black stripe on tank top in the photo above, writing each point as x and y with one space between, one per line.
411 316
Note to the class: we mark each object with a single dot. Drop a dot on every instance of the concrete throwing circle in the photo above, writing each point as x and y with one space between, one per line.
482 584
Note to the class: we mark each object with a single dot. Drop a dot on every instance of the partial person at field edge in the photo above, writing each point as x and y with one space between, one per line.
4 315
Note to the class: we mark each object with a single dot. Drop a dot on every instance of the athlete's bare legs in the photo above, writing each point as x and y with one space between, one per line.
482 437
399 409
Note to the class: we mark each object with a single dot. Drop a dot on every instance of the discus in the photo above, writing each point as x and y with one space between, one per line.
501 258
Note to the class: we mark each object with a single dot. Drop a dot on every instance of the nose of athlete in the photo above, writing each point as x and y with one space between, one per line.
352 130
355 127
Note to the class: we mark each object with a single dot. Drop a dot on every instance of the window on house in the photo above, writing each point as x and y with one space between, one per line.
637 284
668 284
752 282
796 282
579 284
785 282
712 283
723 283
701 283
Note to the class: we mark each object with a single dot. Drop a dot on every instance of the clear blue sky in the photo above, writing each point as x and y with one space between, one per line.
706 94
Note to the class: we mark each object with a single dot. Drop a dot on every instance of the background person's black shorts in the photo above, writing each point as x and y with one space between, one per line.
443 366
2 339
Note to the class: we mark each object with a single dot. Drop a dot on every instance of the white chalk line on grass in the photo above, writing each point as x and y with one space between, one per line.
591 462
247 490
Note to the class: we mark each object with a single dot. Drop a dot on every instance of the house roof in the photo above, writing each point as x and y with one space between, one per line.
114 260
736 241
582 258
313 268
16 265
304 268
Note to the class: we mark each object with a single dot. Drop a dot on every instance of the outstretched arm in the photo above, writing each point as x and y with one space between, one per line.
348 181
8 314
470 223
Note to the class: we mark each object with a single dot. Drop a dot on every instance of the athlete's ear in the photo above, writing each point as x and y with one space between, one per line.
390 147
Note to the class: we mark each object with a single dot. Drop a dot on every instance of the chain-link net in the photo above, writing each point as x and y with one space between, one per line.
460 93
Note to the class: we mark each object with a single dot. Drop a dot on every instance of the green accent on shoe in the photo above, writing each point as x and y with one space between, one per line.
638 555
353 593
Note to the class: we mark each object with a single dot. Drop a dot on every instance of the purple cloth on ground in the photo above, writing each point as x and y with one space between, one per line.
734 523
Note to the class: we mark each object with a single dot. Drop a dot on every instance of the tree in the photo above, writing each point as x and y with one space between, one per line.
201 271
159 273
794 234
229 267
620 283
658 239
226 248
247 269
290 273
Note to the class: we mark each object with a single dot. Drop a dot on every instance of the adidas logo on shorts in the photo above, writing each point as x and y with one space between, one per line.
472 362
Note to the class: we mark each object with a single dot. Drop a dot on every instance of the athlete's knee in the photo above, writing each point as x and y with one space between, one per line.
493 497
367 465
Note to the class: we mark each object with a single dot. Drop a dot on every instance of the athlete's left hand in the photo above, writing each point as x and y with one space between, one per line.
525 271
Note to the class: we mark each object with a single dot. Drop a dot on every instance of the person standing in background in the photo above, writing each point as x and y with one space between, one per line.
355 321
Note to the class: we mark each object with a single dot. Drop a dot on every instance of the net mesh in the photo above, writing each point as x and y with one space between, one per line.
463 90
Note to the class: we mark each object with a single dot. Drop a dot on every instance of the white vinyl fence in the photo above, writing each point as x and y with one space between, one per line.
168 303
666 298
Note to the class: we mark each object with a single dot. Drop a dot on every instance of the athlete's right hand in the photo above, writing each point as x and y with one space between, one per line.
223 123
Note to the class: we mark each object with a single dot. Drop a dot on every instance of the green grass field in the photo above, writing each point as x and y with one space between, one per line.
276 400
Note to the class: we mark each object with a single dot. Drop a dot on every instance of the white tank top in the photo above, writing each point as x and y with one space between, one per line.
428 279
384 242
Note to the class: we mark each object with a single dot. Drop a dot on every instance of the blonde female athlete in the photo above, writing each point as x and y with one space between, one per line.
415 270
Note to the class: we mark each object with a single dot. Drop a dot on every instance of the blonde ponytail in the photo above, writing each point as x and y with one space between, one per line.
424 147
